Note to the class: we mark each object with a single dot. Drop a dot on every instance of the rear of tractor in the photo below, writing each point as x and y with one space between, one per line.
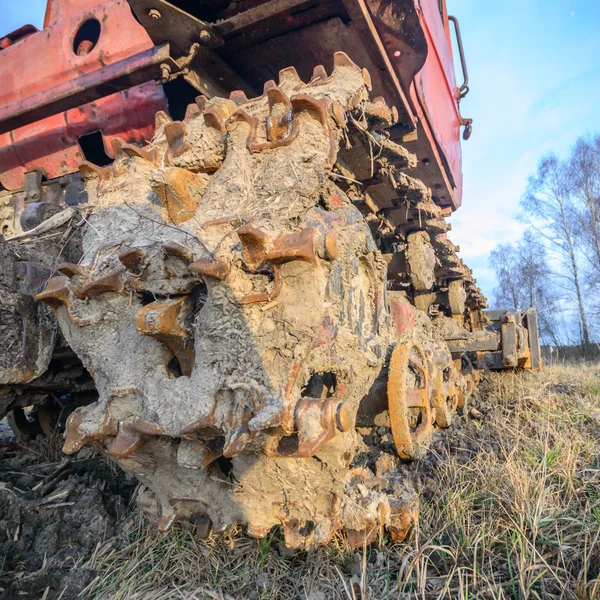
249 301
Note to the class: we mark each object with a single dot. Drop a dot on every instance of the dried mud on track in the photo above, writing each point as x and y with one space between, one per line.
510 509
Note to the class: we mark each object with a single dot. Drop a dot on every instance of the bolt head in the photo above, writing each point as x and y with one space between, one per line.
155 14
205 36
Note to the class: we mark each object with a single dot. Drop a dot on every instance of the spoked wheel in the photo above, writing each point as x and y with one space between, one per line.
411 413
24 422
31 421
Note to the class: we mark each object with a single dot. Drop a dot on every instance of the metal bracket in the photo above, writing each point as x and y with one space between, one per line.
167 23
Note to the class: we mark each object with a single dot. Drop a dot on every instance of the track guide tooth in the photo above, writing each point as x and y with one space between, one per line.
324 531
341 59
56 292
148 154
111 282
161 119
162 320
290 77
117 146
167 522
201 102
254 242
319 72
367 79
278 125
297 536
204 422
268 85
276 95
130 436
236 440
319 108
338 113
203 526
77 436
175 133
91 172
217 269
172 187
70 269
213 120
403 515
359 538
238 97
133 259
178 251
257 532
191 111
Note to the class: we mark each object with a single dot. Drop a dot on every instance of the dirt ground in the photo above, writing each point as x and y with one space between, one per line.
510 509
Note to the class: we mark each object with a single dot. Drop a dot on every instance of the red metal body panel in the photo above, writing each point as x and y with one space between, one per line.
435 93
417 41
51 145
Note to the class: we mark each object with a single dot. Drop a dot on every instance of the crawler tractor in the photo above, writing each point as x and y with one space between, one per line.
224 254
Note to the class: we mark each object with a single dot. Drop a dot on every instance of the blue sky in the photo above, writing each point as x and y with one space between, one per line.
534 67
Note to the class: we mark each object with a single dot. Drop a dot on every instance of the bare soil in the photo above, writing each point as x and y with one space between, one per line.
54 512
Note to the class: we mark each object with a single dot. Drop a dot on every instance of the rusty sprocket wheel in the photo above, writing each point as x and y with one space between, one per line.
411 413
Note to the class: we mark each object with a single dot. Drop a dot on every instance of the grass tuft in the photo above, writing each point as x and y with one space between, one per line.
511 510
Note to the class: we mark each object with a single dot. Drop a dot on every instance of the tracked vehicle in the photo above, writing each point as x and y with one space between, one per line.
225 254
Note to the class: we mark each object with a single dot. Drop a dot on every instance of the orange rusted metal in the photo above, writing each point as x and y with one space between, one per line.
51 144
294 246
409 438
217 269
254 242
176 192
76 437
163 320
130 435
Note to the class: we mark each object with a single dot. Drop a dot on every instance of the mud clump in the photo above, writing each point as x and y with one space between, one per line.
53 514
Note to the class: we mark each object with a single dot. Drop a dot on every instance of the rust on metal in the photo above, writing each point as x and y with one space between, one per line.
174 190
113 281
217 269
179 251
408 438
56 292
134 259
267 295
130 436
280 116
163 320
77 435
255 243
294 246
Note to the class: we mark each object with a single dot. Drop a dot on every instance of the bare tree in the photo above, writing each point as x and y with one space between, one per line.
584 173
504 260
549 209
524 280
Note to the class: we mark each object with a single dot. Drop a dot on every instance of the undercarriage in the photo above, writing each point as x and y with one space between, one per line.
254 295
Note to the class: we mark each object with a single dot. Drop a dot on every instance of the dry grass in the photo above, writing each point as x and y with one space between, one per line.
511 510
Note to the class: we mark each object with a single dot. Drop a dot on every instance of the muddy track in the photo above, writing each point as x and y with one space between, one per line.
261 288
